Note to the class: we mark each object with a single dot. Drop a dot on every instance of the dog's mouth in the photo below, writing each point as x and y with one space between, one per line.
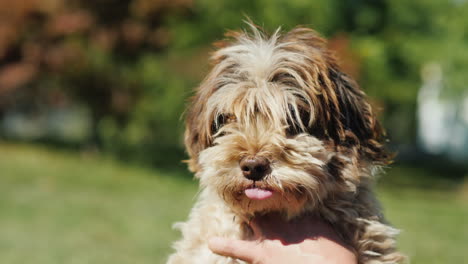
256 193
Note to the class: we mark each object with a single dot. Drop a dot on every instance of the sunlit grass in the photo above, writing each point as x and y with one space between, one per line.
59 207
431 211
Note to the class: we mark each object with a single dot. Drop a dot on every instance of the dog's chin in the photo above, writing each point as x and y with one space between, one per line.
258 198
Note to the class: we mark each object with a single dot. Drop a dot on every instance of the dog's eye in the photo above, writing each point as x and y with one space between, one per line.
222 120
230 118
292 130
295 127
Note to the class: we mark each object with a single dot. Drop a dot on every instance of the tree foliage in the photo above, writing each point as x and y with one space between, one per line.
133 63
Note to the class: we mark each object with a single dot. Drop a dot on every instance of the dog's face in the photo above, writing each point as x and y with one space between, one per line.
276 126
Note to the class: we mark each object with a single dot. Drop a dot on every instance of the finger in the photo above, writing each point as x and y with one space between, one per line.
239 249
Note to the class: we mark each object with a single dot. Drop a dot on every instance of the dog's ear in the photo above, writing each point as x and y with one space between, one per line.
341 109
198 123
355 121
195 136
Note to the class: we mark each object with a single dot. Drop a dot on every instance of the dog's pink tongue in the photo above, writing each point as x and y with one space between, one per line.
258 194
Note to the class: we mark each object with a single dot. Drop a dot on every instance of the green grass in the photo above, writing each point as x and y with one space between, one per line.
432 213
59 207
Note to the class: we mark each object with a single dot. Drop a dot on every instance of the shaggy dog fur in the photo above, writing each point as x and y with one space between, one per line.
283 100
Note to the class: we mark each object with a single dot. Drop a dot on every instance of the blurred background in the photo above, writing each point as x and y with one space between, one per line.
92 95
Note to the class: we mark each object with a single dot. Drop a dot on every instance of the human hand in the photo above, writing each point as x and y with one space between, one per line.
304 240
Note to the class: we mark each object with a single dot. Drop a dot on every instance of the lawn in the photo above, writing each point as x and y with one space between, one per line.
64 207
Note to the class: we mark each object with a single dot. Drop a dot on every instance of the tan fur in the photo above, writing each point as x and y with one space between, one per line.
283 98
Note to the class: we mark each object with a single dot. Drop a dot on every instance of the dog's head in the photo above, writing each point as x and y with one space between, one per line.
276 125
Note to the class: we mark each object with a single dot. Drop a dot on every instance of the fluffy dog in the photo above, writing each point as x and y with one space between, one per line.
276 126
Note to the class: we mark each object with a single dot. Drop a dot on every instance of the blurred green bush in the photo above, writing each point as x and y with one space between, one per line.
132 64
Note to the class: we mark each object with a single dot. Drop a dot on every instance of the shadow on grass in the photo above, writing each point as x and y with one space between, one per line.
427 175
166 159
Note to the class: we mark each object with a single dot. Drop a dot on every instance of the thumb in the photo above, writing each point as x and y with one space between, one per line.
244 250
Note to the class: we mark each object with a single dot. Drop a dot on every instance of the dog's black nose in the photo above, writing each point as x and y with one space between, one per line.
255 168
